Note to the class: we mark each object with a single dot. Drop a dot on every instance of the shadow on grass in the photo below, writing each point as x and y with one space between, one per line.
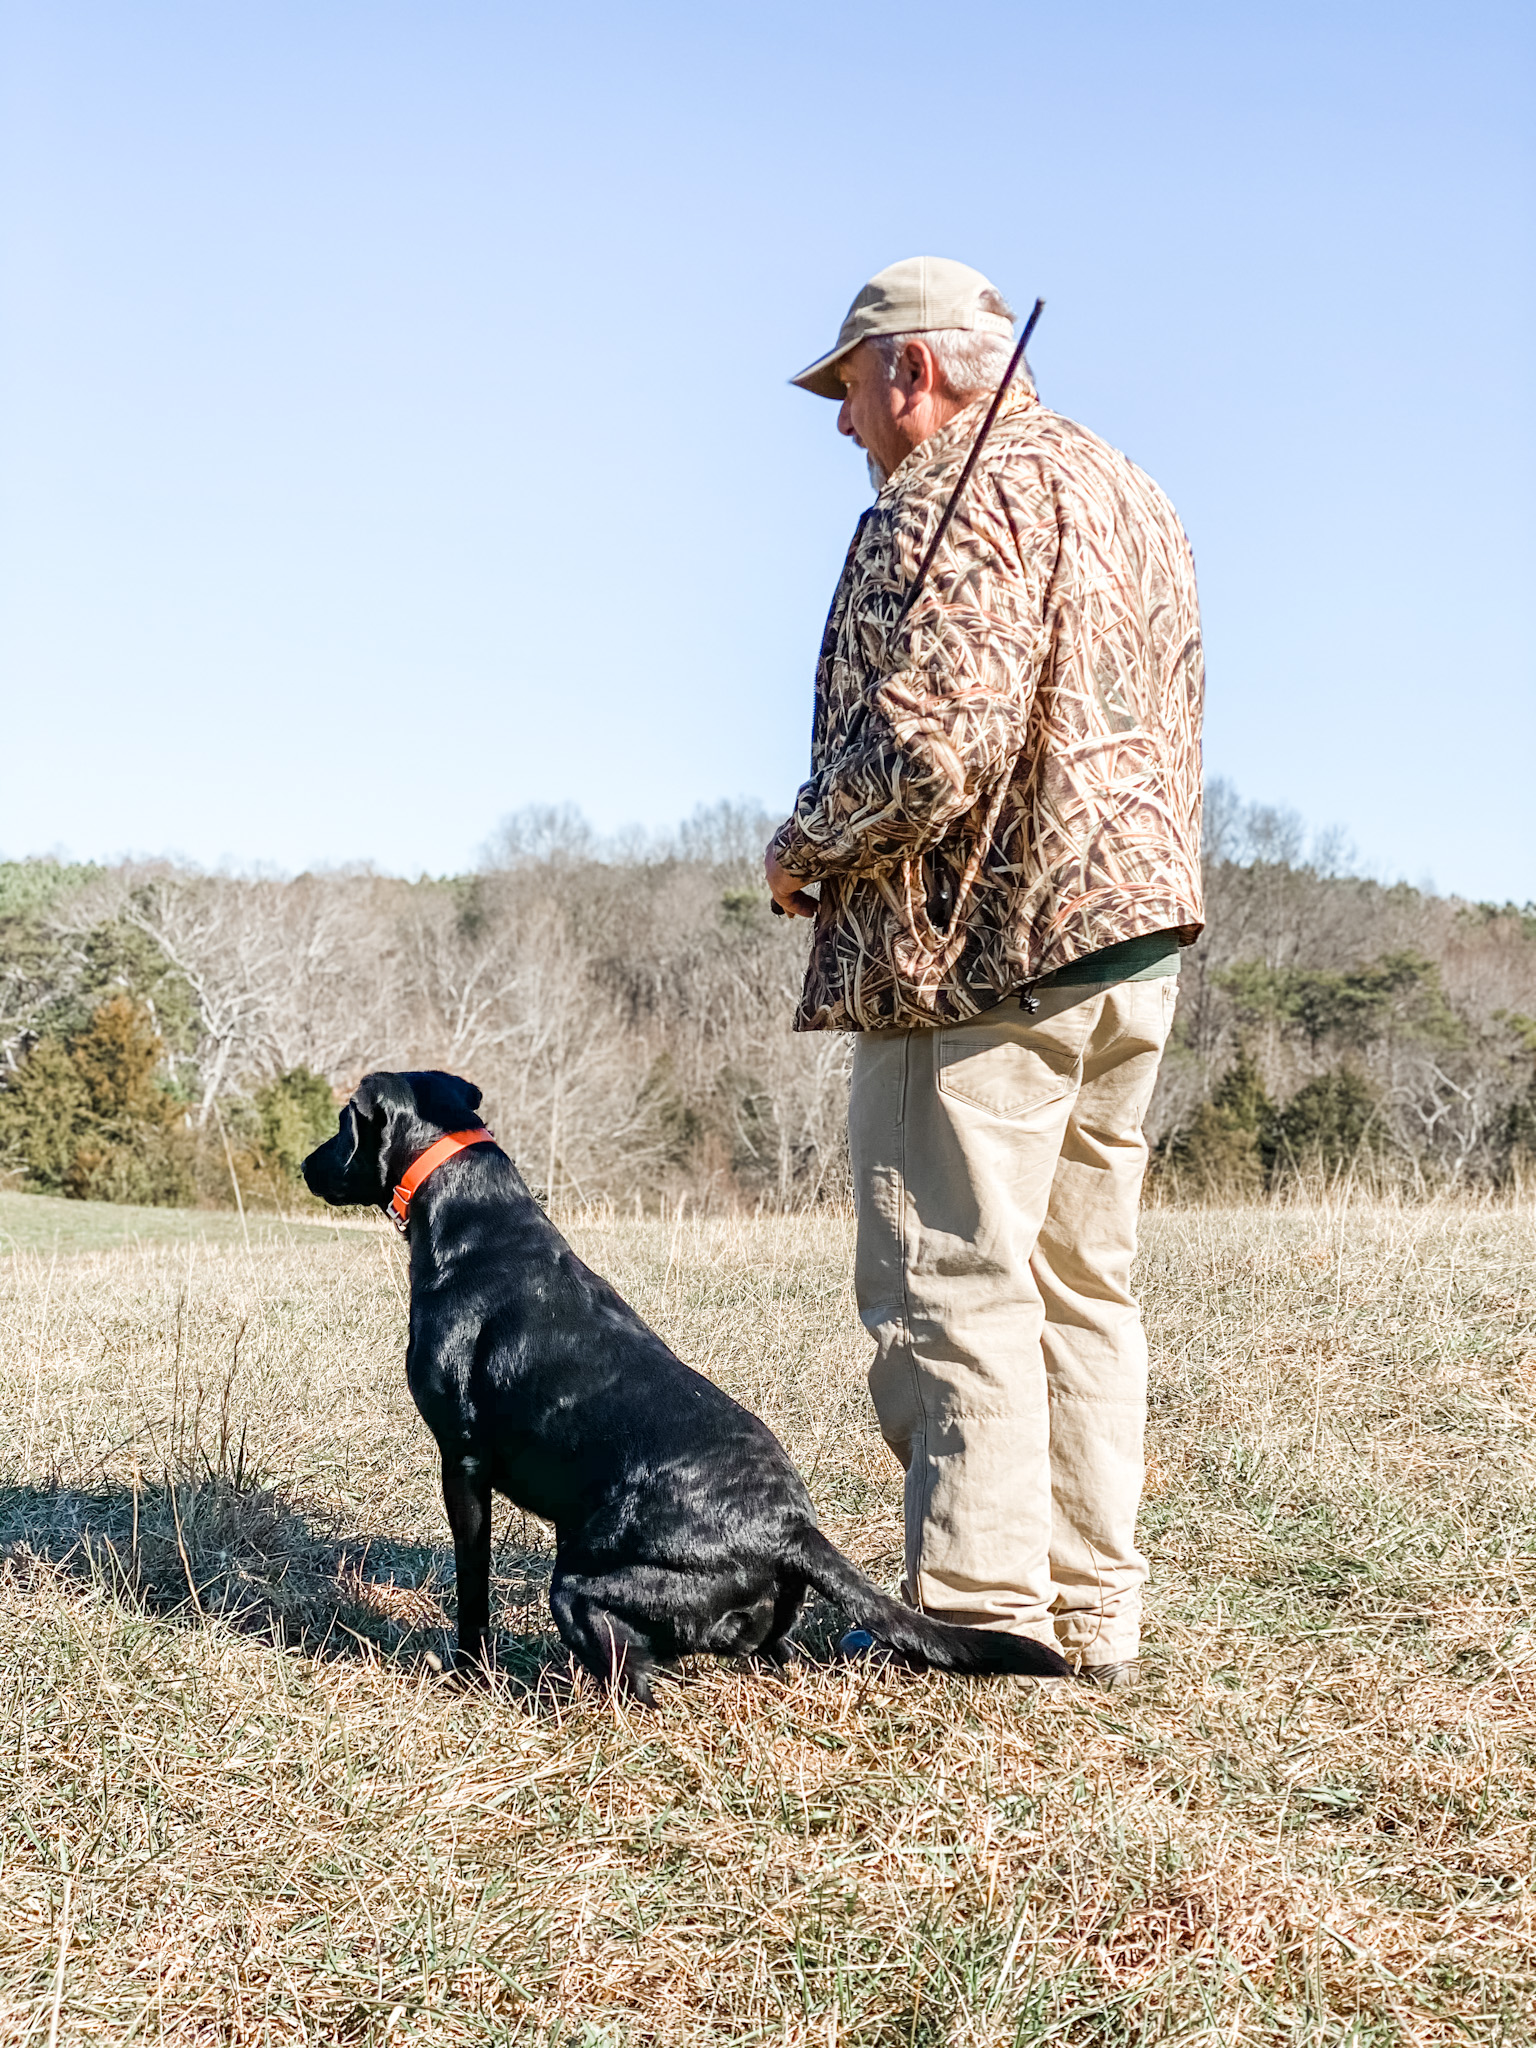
226 1551
230 1550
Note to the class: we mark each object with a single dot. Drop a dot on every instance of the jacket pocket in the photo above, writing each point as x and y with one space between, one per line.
993 1068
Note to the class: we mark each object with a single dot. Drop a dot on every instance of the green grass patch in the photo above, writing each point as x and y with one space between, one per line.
49 1224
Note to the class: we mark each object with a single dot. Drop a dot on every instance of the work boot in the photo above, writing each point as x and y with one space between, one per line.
1122 1677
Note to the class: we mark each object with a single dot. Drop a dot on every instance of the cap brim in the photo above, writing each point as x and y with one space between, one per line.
821 378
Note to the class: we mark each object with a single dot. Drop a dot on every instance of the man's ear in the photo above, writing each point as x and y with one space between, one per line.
920 373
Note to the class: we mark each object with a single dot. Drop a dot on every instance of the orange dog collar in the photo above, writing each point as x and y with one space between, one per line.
428 1162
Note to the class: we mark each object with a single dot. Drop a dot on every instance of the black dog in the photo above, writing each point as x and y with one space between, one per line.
680 1523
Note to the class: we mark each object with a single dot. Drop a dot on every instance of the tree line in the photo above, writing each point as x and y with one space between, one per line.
172 1036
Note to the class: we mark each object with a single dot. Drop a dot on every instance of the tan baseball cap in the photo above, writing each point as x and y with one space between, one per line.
912 297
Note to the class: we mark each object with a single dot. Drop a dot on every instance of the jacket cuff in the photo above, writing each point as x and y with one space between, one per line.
796 854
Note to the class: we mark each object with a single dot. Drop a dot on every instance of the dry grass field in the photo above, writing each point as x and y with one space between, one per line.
240 1808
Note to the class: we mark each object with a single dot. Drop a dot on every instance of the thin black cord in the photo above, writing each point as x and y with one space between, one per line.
970 463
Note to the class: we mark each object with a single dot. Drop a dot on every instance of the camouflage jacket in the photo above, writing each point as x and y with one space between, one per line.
1012 779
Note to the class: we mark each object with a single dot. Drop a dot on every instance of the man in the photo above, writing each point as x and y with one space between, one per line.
1003 816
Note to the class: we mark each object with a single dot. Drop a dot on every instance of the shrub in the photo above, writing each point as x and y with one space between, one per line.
270 1133
1520 1132
1224 1151
43 1111
296 1113
1215 1156
89 1114
1240 1142
1332 1122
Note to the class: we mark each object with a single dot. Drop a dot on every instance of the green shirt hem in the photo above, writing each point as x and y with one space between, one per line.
1146 958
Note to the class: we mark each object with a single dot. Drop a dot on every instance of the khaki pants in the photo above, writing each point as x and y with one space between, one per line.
997 1170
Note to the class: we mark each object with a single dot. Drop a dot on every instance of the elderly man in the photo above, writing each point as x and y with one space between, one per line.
1003 816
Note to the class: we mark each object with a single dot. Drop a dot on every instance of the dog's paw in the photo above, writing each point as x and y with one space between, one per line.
471 1668
464 1671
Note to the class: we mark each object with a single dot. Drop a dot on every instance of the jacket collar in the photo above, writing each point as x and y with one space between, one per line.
954 438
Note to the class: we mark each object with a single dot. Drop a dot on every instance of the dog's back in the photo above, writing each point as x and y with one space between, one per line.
561 1374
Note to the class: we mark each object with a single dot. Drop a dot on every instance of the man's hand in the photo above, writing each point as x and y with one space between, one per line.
785 889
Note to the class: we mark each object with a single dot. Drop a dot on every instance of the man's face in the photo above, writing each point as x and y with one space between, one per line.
890 416
872 405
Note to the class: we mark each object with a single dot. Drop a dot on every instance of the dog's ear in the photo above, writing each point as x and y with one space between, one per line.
467 1093
377 1095
444 1099
379 1102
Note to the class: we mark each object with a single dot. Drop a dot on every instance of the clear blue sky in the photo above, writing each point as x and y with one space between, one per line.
395 427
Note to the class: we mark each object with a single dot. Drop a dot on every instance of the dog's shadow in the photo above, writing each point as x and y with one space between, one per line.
219 1551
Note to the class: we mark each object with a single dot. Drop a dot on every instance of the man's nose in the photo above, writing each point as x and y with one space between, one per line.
845 421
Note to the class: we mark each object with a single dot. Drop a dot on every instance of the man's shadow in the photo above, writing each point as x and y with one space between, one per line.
225 1549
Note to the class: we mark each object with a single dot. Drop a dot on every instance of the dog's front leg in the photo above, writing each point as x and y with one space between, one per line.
467 1497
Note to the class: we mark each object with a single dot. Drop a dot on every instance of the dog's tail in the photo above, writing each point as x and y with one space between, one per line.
939 1645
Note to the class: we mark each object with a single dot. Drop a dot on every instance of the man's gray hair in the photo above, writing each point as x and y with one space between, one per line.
969 362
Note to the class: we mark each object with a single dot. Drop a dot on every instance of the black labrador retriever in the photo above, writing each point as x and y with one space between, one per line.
680 1523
